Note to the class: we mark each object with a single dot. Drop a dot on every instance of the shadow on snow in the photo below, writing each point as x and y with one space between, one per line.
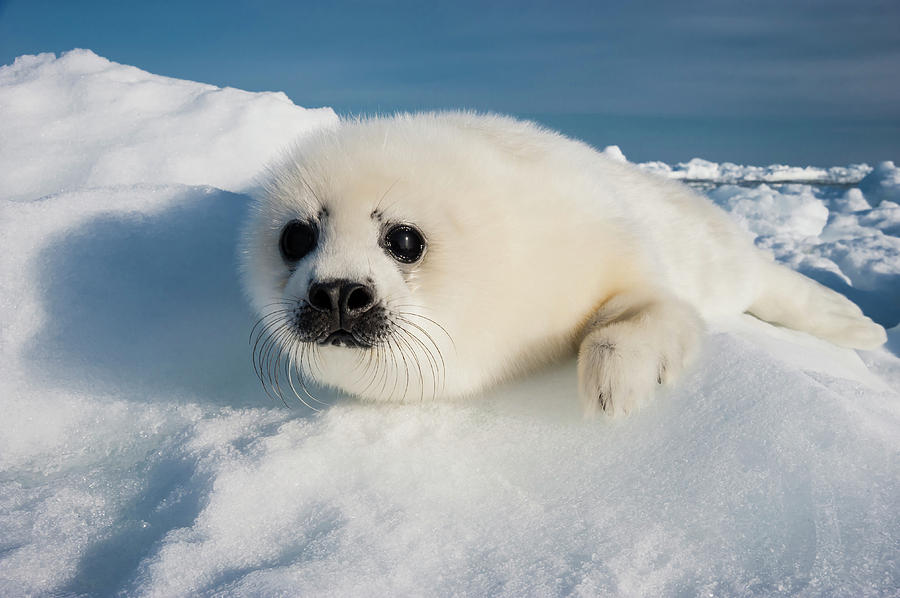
151 306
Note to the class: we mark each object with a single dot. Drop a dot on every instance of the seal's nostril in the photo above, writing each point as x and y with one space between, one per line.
359 299
323 297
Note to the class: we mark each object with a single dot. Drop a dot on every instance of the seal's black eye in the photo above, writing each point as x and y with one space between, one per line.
297 239
405 243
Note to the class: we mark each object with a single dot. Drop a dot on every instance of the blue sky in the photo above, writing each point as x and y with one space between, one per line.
645 74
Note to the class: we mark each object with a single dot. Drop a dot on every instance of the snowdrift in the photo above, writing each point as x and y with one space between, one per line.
138 454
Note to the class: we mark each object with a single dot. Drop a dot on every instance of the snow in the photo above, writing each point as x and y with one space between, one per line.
794 211
105 124
138 454
882 184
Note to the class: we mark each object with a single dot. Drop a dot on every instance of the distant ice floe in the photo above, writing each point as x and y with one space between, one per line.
881 183
704 171
139 457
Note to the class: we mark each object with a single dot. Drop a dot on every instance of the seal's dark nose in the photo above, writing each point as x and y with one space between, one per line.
344 300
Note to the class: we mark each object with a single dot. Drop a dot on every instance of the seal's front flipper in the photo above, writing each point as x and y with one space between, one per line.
636 341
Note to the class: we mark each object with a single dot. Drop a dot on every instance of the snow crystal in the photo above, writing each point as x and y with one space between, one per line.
139 455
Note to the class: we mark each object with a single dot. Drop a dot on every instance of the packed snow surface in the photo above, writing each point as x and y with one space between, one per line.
139 456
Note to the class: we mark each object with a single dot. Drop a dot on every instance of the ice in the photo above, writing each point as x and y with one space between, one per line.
793 211
139 456
882 184
698 169
614 152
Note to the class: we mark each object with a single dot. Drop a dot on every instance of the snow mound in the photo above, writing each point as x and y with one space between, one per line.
614 152
87 122
139 456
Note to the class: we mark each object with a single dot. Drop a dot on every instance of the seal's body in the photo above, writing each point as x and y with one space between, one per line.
432 255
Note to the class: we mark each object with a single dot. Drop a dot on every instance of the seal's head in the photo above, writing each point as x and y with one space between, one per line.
414 257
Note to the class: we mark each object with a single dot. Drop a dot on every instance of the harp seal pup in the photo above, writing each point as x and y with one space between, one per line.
424 256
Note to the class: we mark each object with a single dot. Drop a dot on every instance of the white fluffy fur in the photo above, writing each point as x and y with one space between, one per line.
538 246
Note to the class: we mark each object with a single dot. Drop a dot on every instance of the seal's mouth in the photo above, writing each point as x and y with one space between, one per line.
342 338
